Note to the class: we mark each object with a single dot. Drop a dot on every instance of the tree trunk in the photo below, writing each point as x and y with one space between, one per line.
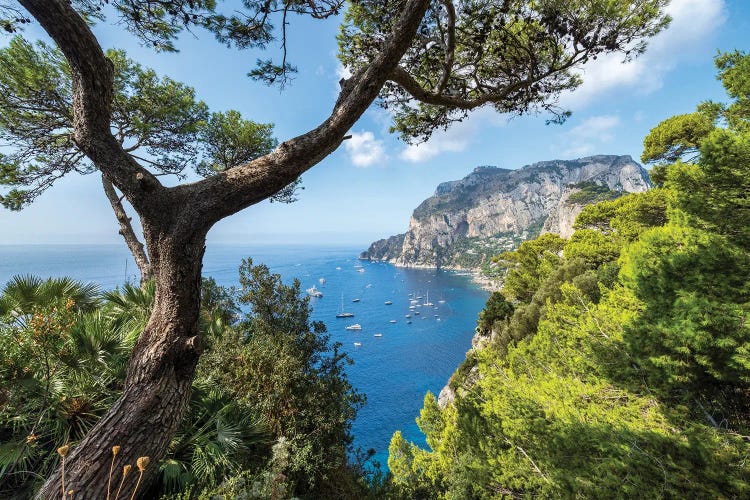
157 387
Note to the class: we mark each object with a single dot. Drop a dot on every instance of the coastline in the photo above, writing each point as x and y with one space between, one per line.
482 281
485 282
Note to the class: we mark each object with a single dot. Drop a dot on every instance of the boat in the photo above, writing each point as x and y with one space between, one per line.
442 299
419 297
369 285
408 322
355 300
428 303
388 302
416 312
378 335
361 270
355 326
314 292
322 281
338 268
392 321
408 316
412 307
343 314
358 344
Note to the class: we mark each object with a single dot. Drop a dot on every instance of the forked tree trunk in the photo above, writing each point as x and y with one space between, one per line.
161 369
157 387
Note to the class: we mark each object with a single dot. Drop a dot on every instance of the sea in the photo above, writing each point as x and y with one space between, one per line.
410 355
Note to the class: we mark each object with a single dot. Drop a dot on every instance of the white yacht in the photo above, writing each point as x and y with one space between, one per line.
314 292
343 314
355 326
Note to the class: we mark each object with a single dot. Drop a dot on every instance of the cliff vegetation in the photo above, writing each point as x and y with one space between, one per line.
615 363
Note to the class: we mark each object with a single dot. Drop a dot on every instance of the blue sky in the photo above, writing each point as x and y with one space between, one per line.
369 187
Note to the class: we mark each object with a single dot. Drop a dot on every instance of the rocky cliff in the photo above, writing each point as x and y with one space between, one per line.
494 209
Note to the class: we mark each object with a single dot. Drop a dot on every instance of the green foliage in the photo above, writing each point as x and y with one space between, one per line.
474 252
675 138
283 367
270 402
681 137
625 218
590 192
530 265
715 190
61 363
231 141
734 68
158 121
624 372
515 56
593 247
693 325
496 309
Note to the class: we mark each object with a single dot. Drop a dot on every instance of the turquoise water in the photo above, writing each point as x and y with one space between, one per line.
394 370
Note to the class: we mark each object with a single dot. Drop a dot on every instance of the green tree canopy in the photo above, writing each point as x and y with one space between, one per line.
516 56
158 121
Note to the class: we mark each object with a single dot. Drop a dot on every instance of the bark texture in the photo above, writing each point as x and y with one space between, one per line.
175 222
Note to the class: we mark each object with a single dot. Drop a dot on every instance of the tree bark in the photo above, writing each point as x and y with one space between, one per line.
175 223
126 230
157 387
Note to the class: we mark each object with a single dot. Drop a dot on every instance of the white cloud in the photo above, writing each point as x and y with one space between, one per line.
342 71
592 133
364 150
454 140
693 21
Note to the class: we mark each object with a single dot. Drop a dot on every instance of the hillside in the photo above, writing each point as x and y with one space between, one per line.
495 209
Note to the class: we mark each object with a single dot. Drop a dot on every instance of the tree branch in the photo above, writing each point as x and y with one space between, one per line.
127 232
450 48
92 76
229 192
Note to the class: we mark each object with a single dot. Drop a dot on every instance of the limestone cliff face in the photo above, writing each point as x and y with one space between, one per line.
494 209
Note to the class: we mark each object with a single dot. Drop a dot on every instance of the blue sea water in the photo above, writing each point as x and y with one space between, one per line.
394 370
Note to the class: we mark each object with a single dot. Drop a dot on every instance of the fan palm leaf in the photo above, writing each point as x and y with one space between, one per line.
25 294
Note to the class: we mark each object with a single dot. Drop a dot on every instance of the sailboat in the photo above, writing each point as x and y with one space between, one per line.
343 314
428 303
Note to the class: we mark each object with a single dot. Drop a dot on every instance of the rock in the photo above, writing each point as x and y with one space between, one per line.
494 209
384 249
446 396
